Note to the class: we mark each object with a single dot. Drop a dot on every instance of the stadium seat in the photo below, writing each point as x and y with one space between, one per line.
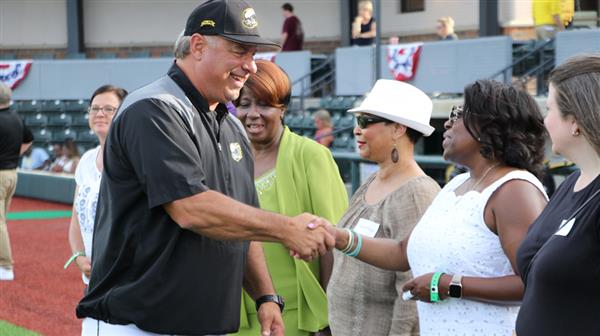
29 106
53 106
63 135
349 102
346 121
167 54
76 105
341 143
326 102
75 56
296 121
308 123
8 56
40 56
42 136
337 103
106 54
60 120
139 54
87 137
36 120
79 120
335 120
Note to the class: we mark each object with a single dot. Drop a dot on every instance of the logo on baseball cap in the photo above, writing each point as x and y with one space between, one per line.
234 20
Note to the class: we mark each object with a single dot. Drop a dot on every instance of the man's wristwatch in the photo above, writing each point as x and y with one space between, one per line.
271 298
455 288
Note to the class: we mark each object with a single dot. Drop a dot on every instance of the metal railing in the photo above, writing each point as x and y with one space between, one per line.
545 62
317 84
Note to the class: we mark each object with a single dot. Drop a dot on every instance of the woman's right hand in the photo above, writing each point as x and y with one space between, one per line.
84 263
340 235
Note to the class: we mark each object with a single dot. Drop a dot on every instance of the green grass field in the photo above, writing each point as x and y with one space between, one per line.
13 330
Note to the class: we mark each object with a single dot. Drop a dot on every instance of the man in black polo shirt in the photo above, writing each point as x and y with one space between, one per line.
177 200
15 139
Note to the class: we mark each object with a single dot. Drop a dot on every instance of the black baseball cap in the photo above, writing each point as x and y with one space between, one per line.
234 20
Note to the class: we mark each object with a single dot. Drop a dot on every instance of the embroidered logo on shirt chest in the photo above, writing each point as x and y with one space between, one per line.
236 151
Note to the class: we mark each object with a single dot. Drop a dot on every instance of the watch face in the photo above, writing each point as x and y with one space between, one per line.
455 291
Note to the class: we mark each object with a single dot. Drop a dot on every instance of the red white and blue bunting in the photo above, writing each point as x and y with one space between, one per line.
13 72
403 60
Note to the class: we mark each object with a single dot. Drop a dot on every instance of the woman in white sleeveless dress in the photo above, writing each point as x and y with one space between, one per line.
103 107
469 235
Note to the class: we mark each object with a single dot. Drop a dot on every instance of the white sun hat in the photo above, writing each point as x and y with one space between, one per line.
399 102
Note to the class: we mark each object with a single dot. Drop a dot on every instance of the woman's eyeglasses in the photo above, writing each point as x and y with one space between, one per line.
106 109
456 113
364 121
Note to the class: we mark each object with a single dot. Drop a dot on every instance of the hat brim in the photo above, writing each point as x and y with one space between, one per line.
426 130
252 40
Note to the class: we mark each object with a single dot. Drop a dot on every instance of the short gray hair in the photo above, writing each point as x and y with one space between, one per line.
182 46
5 95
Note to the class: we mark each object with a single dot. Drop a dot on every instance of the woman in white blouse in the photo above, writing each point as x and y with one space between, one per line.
103 107
462 251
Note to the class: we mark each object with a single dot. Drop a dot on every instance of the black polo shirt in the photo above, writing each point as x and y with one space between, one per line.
13 133
146 269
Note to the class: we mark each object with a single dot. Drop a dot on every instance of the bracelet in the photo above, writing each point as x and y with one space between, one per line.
350 244
434 294
73 257
356 251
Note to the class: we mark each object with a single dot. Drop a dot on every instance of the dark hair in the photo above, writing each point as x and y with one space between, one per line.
270 85
577 85
288 7
119 92
507 122
69 144
413 135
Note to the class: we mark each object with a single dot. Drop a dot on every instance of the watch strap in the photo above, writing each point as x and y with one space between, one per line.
456 281
270 298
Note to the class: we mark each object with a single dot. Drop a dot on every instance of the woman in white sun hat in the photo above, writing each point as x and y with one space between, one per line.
462 251
365 300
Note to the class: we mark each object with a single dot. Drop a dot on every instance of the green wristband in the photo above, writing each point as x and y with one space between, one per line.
433 287
73 257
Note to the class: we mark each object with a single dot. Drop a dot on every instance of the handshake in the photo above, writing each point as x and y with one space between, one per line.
309 236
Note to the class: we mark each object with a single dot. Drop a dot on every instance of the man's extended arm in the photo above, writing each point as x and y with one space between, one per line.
217 216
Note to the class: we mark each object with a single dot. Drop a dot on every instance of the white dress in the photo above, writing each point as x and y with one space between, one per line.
452 237
87 177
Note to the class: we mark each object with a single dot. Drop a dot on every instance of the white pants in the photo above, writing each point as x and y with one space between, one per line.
91 327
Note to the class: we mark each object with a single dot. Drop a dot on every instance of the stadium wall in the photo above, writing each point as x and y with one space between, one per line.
42 24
